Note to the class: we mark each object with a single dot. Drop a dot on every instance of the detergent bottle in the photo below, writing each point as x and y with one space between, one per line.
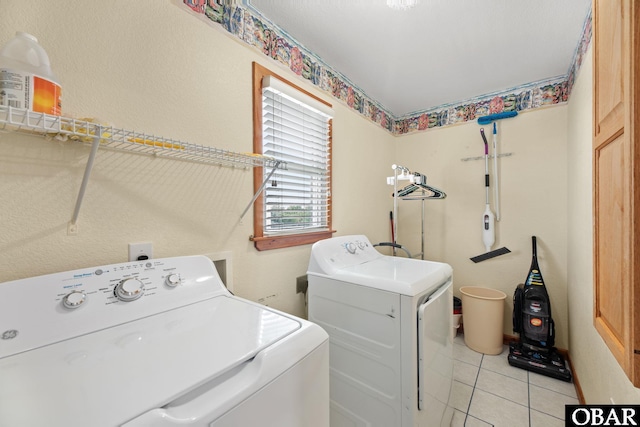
26 79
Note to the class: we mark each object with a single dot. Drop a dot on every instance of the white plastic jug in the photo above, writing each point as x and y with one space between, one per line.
26 79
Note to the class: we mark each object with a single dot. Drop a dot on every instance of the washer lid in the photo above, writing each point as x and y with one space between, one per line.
111 376
405 276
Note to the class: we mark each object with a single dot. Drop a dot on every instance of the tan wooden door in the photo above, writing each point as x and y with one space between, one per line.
615 178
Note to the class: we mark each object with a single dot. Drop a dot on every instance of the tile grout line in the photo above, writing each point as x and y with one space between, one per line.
547 389
473 390
529 392
555 391
524 405
525 381
506 375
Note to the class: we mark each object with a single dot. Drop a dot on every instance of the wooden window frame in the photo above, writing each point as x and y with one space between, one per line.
262 242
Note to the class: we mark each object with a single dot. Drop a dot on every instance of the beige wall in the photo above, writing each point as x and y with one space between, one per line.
153 67
533 199
600 375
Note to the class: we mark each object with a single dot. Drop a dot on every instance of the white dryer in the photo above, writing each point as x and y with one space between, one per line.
154 343
389 321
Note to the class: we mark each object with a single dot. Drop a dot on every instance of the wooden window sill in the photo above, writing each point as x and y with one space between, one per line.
278 242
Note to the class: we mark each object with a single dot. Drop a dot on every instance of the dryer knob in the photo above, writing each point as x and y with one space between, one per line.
129 289
172 280
74 299
351 248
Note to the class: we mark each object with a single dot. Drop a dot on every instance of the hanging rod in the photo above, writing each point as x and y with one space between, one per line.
466 159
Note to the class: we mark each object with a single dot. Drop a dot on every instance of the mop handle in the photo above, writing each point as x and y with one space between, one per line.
486 164
496 197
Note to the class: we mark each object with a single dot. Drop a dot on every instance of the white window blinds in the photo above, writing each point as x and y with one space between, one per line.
295 129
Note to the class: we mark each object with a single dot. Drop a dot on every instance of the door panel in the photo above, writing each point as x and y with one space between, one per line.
612 201
608 68
435 353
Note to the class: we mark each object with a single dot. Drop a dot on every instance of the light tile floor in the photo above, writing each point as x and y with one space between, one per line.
487 391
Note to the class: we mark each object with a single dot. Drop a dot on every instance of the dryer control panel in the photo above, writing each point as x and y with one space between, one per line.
330 255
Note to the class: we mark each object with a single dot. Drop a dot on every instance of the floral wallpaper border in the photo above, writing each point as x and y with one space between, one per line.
248 25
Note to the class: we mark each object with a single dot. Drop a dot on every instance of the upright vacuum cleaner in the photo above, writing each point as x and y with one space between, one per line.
533 323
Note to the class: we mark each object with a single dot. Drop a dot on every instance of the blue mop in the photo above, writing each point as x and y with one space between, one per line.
485 120
488 232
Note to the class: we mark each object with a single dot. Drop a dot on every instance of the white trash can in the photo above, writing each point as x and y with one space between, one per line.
482 315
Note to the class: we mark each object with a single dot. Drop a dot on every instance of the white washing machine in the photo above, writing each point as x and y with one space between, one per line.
389 321
154 343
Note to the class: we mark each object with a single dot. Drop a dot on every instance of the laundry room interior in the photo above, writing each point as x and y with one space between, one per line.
169 70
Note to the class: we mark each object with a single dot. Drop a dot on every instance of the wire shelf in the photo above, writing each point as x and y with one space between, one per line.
64 128
107 137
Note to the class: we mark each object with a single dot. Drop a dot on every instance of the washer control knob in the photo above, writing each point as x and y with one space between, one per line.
351 248
361 245
129 289
172 280
74 299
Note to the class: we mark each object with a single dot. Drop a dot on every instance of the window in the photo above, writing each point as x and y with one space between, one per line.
293 126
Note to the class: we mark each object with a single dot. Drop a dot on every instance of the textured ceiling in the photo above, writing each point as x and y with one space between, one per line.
440 51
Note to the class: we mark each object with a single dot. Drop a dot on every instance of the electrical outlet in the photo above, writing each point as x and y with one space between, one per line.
140 251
